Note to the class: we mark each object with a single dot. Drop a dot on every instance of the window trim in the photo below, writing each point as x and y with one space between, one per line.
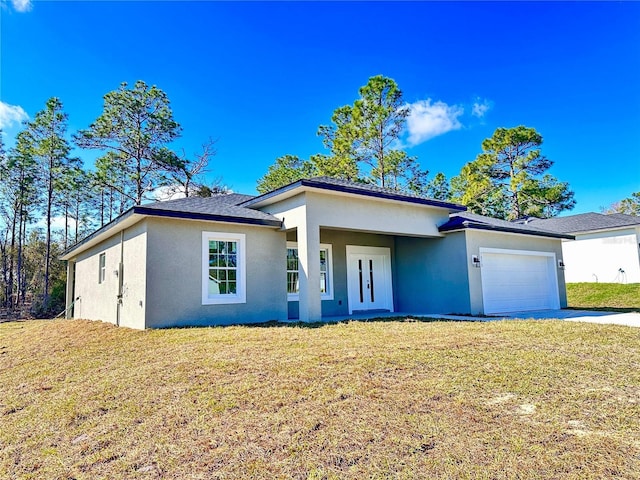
241 272
328 295
102 268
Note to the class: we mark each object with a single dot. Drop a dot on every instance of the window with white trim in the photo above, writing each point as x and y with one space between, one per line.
102 269
326 272
223 268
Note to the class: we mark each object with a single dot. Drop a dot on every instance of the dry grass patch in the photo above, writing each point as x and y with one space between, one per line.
86 400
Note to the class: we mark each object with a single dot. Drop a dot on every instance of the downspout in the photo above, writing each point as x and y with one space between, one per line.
120 279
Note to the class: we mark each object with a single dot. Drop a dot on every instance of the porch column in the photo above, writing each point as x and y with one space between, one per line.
70 290
309 272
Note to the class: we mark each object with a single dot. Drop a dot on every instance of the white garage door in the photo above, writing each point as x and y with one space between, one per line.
517 280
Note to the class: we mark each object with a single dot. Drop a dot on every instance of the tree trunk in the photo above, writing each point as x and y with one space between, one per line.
75 236
139 189
47 255
19 261
66 224
23 280
12 253
110 203
5 253
101 207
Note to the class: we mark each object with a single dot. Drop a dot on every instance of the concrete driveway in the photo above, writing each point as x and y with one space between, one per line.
628 319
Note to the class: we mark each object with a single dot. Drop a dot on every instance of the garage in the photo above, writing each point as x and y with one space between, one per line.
518 280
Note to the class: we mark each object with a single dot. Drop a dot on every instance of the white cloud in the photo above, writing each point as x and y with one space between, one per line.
57 223
427 120
480 108
168 192
22 5
10 114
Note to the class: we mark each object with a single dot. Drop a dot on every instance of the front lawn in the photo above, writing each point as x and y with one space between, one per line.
604 296
382 399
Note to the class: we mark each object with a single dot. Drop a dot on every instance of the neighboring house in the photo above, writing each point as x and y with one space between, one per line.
316 248
606 249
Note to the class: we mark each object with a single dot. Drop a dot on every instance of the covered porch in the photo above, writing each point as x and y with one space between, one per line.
365 274
350 258
358 248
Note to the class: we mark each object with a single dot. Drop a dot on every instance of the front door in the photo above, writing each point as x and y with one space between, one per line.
369 278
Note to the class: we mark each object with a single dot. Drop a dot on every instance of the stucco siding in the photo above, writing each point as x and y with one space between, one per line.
374 215
432 275
365 214
599 257
132 311
99 300
339 239
476 239
174 275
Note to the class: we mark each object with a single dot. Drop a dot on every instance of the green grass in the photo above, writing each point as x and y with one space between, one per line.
604 296
507 399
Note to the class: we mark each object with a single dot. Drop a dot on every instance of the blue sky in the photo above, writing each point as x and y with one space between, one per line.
261 77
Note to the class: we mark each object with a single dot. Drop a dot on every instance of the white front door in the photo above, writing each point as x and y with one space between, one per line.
369 278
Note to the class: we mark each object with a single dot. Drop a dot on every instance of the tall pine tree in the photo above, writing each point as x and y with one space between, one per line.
51 149
135 127
509 178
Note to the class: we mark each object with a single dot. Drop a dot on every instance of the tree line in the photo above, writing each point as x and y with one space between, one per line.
509 179
40 181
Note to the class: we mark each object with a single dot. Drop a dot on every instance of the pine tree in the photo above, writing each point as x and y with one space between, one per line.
135 128
46 135
509 178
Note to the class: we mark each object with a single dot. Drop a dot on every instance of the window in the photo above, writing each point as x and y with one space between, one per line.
293 284
223 268
102 270
326 272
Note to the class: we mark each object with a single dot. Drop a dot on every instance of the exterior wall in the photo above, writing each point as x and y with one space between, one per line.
374 215
339 239
365 214
99 301
432 275
134 287
598 257
478 238
310 213
174 275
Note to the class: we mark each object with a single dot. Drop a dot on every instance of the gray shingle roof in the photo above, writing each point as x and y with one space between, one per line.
218 208
461 220
346 186
223 205
585 222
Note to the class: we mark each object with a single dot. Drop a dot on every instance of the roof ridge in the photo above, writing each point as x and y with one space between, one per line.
349 186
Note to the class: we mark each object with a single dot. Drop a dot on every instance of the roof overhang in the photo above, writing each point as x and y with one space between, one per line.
139 212
311 185
493 228
124 221
207 217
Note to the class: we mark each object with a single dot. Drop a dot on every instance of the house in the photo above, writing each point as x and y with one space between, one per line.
319 247
607 247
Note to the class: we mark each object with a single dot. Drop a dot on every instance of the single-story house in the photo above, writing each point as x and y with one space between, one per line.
606 247
316 248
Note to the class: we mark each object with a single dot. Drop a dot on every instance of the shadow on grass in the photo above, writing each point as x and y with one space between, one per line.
606 309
